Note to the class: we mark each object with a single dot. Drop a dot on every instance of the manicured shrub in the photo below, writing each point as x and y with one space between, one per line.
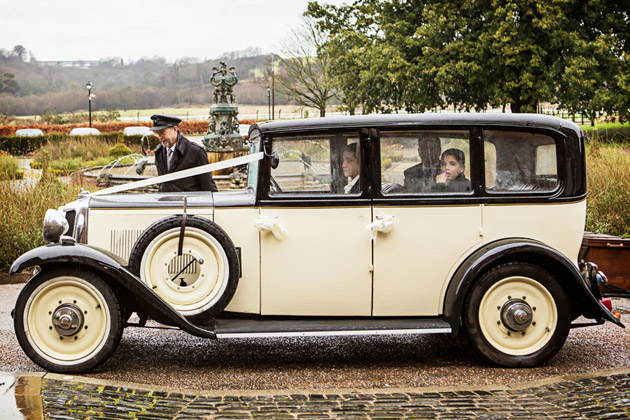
119 150
19 146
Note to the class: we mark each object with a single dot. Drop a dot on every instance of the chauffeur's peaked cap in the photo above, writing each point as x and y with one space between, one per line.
162 121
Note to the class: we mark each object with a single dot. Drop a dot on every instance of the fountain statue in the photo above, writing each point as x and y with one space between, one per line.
223 140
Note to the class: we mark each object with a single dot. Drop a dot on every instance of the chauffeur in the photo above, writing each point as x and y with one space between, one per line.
176 153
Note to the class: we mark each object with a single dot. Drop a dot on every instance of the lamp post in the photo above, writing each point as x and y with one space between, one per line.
269 100
90 96
273 88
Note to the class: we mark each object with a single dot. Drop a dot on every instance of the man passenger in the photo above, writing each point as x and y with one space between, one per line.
421 177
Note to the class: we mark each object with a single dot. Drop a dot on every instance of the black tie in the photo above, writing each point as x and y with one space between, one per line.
168 159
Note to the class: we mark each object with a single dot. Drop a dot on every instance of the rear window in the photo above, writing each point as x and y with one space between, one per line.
520 161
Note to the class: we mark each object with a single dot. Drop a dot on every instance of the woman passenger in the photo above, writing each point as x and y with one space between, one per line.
350 166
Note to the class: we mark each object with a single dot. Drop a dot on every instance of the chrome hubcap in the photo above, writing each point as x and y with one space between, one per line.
517 315
68 319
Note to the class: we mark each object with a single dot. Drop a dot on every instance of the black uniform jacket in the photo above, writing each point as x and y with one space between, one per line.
459 184
186 155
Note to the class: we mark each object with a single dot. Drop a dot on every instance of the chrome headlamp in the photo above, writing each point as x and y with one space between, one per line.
55 225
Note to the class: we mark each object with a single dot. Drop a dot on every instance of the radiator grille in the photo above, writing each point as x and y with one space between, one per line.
122 241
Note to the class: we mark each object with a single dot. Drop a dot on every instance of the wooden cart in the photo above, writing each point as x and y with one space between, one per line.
612 255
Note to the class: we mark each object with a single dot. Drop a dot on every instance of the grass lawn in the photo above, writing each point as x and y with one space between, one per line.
601 126
608 133
245 111
173 111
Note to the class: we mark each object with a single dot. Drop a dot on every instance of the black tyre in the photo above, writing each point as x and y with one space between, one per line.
68 320
517 316
200 283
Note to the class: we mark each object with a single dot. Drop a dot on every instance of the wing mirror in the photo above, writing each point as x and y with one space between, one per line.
275 160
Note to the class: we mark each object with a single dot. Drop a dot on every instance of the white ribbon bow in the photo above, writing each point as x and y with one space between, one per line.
266 223
384 223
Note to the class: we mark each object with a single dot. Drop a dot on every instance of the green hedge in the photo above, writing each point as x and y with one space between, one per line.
19 146
608 133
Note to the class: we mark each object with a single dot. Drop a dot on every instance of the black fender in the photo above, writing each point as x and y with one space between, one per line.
522 250
111 269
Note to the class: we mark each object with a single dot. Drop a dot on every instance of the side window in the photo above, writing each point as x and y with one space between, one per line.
519 161
252 168
546 161
316 165
425 162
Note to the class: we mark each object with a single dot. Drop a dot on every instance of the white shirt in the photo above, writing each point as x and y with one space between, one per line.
350 184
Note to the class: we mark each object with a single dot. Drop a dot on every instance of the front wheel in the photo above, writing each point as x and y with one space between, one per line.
517 316
68 321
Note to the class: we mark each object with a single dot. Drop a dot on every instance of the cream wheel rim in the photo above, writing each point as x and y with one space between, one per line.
540 319
79 344
203 288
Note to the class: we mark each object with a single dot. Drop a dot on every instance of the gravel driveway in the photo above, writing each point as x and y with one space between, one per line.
176 359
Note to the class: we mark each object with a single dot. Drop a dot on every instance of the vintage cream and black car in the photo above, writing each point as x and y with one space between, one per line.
331 236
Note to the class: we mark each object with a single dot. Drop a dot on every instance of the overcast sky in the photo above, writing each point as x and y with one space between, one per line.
132 29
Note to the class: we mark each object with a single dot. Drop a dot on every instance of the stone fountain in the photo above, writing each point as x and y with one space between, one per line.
223 140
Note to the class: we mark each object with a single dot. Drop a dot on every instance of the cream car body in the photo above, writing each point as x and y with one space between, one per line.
301 251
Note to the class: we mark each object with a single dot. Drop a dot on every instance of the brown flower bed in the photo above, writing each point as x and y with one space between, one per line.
188 127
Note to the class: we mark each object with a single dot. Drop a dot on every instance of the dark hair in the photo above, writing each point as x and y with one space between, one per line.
457 154
429 137
352 148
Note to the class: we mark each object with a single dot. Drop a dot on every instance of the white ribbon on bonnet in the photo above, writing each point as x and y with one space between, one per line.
182 174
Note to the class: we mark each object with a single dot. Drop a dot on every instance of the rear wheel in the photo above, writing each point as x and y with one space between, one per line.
517 316
68 321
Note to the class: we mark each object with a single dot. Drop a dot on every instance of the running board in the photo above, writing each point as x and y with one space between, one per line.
261 327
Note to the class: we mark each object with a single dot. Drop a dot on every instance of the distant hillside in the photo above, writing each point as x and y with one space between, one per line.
29 87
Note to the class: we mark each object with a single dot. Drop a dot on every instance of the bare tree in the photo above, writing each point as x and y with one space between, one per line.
176 67
50 76
304 72
235 55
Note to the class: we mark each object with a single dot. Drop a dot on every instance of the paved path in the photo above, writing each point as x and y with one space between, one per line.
602 395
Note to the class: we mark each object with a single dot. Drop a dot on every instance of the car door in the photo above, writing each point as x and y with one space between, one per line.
434 225
316 255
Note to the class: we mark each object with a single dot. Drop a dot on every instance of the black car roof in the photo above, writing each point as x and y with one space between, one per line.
428 119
